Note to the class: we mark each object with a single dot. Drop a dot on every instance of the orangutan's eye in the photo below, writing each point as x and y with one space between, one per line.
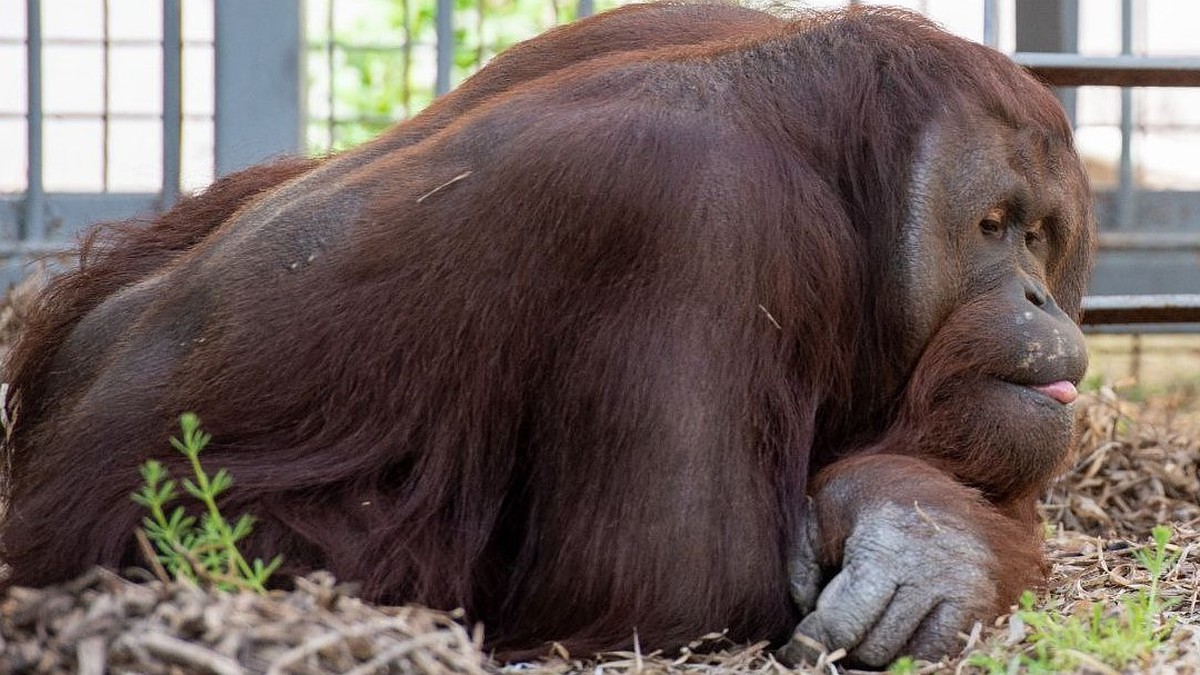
992 224
1035 235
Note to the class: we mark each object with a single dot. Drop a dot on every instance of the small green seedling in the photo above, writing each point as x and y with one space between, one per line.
202 550
1098 639
1157 562
905 665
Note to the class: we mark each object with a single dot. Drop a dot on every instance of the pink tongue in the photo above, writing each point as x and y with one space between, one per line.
1062 391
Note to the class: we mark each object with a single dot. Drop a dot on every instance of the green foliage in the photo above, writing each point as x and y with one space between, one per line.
200 549
1136 393
1117 638
1092 383
382 63
905 665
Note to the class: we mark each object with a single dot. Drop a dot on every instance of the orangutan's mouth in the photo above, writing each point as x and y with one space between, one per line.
1063 391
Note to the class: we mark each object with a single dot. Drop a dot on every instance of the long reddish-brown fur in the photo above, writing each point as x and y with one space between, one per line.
574 399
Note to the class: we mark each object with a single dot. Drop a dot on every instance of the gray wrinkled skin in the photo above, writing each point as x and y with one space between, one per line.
911 580
804 572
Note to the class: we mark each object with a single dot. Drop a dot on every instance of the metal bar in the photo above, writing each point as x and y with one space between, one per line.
258 95
1143 329
1048 26
586 8
106 102
480 10
1068 31
1141 309
1150 241
19 249
1125 194
75 211
116 116
172 100
330 72
991 23
1071 70
406 54
362 47
92 42
445 45
33 225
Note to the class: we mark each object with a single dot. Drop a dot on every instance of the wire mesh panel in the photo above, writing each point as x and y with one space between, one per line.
100 123
1133 80
373 62
121 105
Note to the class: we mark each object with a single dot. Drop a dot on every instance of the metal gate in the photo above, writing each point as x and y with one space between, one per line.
1148 270
257 85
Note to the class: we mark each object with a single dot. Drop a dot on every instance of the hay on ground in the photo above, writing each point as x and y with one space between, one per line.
1136 466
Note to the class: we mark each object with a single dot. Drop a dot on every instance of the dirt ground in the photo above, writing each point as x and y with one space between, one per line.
1135 466
1145 365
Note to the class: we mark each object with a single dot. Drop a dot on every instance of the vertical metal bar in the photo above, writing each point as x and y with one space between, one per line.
33 224
259 101
1135 357
172 100
480 10
1068 20
1049 26
586 8
406 54
106 104
991 23
331 73
445 45
1125 196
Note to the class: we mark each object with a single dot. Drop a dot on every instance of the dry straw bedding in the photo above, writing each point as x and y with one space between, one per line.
1136 465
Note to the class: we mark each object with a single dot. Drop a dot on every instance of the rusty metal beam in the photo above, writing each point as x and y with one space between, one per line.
1140 309
1150 241
1073 70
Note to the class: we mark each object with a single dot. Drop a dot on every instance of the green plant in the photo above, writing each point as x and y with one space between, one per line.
905 665
200 549
1092 383
1157 562
1108 639
382 64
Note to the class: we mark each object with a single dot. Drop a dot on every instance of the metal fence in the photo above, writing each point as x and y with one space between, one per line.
389 60
1150 242
253 49
33 222
1121 247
